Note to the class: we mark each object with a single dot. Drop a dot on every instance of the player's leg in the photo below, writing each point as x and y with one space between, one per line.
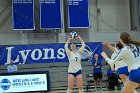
123 73
79 80
133 82
129 87
123 78
71 80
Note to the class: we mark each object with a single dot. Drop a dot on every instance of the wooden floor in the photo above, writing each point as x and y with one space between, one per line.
116 91
91 91
87 92
75 91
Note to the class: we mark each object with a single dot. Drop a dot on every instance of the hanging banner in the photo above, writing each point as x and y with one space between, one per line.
78 14
44 53
23 14
50 14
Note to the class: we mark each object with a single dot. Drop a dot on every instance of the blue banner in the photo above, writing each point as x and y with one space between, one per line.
23 14
78 14
50 14
44 53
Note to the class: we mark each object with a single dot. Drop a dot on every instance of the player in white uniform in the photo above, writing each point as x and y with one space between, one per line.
130 54
75 69
120 66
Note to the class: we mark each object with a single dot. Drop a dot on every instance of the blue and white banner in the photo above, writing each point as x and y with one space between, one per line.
44 53
23 83
23 14
78 14
50 14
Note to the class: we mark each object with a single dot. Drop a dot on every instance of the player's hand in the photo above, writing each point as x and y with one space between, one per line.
98 67
69 38
95 64
104 55
106 43
78 36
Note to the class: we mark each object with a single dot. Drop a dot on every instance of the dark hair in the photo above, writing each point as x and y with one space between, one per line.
119 45
126 38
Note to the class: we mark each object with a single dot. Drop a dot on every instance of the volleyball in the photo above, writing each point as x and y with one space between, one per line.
73 34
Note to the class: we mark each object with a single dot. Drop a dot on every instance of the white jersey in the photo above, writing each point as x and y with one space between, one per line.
74 58
130 55
120 63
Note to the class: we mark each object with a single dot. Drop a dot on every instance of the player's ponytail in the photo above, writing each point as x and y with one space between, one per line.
126 38
135 42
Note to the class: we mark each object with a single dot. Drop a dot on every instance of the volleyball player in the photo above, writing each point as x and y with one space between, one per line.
130 54
75 69
120 66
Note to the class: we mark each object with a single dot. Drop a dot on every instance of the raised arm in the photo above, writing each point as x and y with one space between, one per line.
66 45
106 43
81 50
119 56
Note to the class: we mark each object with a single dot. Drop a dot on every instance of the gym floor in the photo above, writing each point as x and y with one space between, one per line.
75 91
